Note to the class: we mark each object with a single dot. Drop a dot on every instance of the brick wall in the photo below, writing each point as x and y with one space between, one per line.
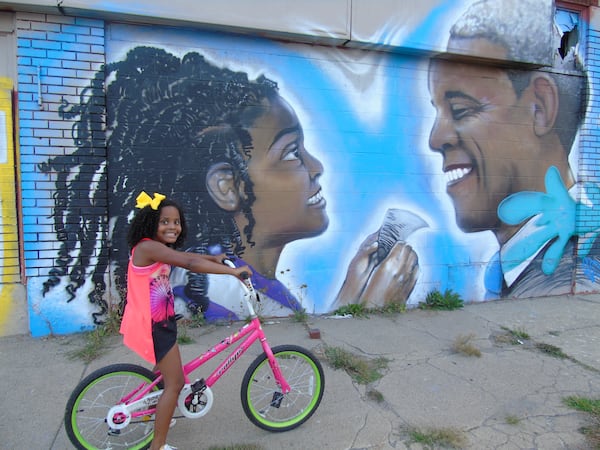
589 138
57 56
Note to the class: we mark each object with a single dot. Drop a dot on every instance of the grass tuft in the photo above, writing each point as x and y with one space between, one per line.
354 309
551 350
436 437
95 340
361 310
361 369
183 338
463 344
592 408
449 300
514 337
300 316
512 419
374 394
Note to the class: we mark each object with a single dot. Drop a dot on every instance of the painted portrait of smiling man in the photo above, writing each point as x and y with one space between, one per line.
505 136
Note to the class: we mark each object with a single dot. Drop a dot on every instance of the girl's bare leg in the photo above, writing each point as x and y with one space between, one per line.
170 367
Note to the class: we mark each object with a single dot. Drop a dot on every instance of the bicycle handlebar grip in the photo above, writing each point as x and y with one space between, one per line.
228 262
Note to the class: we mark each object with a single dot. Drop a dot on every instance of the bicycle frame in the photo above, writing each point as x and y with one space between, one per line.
248 335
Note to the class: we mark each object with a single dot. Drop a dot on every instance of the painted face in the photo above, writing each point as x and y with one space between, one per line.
289 203
169 225
485 135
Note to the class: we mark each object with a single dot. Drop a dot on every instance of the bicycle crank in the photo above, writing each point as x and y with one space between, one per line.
195 400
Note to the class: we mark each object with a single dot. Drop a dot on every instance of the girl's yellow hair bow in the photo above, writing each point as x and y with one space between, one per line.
144 200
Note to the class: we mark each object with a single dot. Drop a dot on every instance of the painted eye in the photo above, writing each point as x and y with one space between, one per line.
461 110
292 153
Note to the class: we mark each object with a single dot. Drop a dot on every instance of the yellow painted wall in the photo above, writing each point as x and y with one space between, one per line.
11 291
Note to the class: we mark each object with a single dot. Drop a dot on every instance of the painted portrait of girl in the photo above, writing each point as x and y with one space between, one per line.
229 148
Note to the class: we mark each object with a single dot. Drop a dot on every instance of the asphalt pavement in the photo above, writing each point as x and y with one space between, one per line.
534 353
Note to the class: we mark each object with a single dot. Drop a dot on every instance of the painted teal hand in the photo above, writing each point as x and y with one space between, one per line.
556 211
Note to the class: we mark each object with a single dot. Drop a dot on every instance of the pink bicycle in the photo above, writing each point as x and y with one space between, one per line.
113 407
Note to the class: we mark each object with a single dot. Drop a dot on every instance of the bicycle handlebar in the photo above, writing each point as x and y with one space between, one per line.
244 275
228 262
246 282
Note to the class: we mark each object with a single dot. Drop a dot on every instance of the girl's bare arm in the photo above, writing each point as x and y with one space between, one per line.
149 252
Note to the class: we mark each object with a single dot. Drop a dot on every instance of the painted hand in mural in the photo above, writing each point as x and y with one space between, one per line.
385 268
556 211
374 283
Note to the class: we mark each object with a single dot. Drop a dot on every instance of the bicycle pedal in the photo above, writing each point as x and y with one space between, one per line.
277 399
198 386
112 432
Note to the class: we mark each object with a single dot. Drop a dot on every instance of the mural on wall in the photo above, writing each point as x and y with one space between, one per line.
340 175
9 251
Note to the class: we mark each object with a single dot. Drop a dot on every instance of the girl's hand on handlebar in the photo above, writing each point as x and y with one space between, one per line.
218 258
242 272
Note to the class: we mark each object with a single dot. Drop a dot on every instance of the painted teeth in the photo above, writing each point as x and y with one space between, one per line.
315 198
454 175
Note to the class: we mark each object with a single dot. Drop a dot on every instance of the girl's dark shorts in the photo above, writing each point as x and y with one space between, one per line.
164 336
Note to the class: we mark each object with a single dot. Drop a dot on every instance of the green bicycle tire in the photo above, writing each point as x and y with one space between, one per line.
90 401
262 400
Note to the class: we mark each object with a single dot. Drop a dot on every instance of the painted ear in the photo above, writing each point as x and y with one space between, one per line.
221 185
546 103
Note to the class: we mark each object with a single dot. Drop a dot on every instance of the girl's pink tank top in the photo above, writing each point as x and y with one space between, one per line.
149 296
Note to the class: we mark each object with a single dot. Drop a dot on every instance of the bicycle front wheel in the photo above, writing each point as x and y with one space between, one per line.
264 403
94 396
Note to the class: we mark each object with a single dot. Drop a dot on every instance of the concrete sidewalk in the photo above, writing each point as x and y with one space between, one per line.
509 398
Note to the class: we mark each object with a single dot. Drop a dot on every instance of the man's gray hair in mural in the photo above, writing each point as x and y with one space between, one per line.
523 27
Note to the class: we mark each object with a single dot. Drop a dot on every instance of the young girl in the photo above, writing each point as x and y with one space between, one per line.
149 327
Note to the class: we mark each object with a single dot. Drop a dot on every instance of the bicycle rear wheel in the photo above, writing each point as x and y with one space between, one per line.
264 403
88 406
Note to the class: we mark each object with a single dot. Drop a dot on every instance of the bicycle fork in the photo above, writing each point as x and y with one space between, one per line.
279 378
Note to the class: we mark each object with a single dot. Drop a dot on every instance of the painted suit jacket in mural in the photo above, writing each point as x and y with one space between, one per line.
528 279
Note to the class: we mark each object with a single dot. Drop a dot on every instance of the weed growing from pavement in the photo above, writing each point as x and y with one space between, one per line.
95 340
519 333
449 300
551 350
520 337
512 419
360 310
392 308
300 316
362 370
183 338
592 408
514 337
436 437
463 344
196 321
354 309
374 394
